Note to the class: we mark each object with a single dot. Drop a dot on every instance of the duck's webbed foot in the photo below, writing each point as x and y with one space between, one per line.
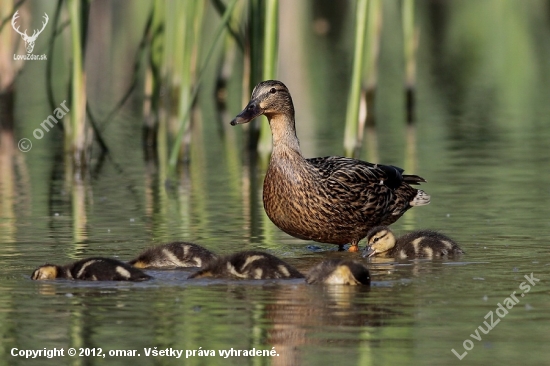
354 247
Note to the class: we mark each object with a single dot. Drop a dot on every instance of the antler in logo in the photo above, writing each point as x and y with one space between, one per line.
29 41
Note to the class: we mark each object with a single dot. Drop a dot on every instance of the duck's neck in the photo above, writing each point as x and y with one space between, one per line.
283 131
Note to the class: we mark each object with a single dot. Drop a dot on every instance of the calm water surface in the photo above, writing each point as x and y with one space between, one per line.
491 202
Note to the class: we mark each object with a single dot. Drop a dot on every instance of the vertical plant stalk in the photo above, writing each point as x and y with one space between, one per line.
367 122
217 36
9 69
269 64
410 42
351 142
374 32
189 51
256 30
8 190
156 54
76 134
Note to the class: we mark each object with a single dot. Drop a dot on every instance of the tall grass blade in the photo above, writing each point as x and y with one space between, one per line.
352 112
76 131
374 32
185 116
8 43
256 30
269 65
410 41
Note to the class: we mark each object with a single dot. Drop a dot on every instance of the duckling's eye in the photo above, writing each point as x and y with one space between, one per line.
273 91
376 239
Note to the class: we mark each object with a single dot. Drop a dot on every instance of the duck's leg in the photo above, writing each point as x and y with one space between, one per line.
354 247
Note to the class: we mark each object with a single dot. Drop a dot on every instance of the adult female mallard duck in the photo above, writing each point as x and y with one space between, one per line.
176 254
339 272
332 200
252 265
91 269
423 243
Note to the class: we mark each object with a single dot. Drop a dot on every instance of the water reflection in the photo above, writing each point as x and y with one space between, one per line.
321 316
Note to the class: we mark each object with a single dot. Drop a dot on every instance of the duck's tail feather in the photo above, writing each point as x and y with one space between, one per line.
421 199
413 179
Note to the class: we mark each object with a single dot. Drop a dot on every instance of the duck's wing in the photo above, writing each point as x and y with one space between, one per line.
353 172
378 194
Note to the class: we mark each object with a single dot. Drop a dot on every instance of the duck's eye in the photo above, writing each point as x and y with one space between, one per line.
273 91
376 239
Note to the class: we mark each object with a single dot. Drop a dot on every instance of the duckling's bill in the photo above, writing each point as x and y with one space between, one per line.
368 251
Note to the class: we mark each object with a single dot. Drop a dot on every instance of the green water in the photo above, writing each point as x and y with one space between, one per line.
480 139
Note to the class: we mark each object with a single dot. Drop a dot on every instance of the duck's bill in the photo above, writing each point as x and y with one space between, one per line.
251 111
368 252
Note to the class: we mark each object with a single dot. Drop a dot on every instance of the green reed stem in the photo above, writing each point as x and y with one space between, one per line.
409 40
185 118
352 111
269 63
270 39
256 29
188 50
374 27
75 135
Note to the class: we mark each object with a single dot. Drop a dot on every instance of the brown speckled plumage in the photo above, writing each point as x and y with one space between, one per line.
174 255
91 269
332 200
251 265
381 241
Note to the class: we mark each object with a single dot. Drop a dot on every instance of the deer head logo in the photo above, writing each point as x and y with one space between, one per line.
29 41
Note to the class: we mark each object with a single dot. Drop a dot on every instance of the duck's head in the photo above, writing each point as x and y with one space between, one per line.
45 272
379 240
270 97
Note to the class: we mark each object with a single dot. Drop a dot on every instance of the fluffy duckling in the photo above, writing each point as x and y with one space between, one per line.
333 199
91 269
249 265
176 254
339 272
422 243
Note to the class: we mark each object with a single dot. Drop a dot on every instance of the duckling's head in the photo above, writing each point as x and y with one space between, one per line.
339 272
45 272
270 98
349 273
380 239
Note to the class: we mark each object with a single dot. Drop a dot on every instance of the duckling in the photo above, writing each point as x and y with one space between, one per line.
176 254
249 265
339 272
91 269
334 200
422 243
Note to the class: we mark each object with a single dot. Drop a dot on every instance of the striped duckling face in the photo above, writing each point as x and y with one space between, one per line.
45 272
380 240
